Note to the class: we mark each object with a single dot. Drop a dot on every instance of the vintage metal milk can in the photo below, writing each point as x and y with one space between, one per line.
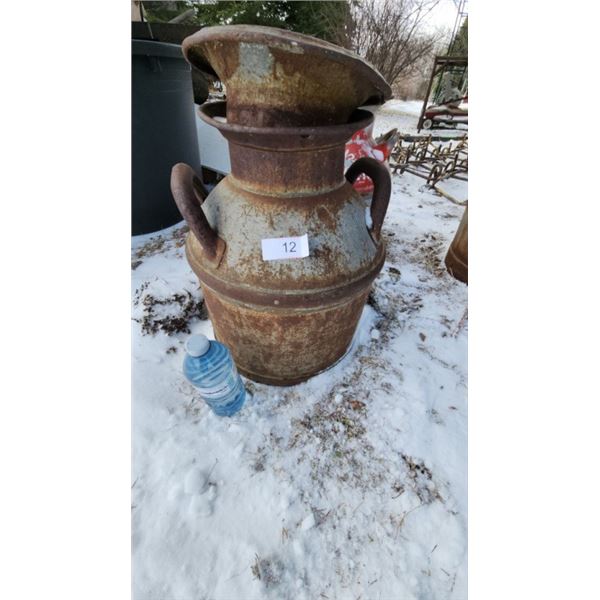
283 247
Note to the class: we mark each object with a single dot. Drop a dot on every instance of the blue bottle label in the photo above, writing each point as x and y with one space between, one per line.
222 388
215 392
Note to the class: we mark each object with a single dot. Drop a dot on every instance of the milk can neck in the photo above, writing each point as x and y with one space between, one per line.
289 172
286 161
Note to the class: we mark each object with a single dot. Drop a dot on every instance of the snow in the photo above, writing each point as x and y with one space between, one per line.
350 485
408 107
404 114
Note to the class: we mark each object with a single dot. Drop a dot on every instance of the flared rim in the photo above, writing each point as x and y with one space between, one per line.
286 40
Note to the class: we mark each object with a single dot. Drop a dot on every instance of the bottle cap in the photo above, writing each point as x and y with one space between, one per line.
197 345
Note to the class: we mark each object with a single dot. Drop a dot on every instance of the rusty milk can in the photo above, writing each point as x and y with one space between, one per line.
457 258
291 107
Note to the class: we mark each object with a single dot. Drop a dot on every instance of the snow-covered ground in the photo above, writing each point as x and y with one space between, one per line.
351 485
404 114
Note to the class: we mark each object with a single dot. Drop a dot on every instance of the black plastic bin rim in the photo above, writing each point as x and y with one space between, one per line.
149 48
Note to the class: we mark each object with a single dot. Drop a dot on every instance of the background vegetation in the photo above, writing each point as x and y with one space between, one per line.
393 35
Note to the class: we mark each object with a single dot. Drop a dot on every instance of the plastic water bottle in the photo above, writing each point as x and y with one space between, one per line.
208 366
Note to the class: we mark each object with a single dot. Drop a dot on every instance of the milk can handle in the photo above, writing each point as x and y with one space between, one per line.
189 193
382 183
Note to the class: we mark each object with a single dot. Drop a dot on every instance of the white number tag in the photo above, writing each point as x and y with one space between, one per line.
285 247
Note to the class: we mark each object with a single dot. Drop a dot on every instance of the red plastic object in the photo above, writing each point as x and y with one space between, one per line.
362 144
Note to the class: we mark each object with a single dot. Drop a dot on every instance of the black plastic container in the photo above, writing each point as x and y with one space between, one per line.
163 131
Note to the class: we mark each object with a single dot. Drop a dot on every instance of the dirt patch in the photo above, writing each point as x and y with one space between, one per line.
160 244
170 315
268 570
337 425
421 480
429 250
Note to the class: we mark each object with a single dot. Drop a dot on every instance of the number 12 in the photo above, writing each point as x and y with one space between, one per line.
292 247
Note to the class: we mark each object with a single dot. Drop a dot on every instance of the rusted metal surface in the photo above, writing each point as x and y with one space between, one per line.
380 177
306 308
189 192
281 161
283 320
277 77
458 253
432 162
284 346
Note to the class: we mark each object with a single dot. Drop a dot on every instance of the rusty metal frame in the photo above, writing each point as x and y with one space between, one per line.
434 163
440 65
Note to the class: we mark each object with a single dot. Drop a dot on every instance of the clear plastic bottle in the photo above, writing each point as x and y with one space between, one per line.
208 366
